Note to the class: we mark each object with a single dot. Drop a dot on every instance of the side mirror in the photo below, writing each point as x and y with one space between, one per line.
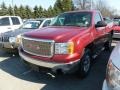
101 24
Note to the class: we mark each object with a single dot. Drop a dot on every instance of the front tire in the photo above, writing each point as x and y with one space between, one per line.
85 64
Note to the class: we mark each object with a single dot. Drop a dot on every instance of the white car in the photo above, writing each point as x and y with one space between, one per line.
9 41
112 81
8 23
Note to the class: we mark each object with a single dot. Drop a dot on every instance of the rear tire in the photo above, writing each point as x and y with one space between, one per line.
85 64
108 44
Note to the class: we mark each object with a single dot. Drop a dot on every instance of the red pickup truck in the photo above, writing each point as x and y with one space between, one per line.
69 44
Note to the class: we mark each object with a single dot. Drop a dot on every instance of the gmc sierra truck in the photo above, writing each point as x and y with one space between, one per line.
69 44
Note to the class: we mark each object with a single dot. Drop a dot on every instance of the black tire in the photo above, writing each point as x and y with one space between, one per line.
108 44
85 64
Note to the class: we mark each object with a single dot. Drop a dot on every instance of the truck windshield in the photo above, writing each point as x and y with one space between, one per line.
81 19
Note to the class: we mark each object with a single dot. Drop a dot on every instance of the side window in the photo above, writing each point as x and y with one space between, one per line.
4 21
97 18
15 21
46 23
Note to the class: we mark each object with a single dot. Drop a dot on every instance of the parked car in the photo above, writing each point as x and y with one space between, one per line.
69 44
109 21
117 21
9 41
116 32
116 28
8 23
112 81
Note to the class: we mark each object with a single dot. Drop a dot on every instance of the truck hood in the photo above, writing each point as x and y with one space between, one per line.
115 56
60 34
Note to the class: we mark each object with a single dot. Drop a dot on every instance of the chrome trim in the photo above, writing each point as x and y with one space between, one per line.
42 40
35 39
43 63
38 62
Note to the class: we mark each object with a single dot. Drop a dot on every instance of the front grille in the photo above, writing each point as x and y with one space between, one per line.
38 47
4 38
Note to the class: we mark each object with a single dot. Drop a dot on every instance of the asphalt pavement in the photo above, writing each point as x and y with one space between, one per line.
14 75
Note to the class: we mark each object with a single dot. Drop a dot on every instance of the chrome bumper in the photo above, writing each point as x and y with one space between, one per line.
116 35
8 45
64 67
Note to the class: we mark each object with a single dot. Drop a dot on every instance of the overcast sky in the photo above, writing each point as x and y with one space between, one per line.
31 3
46 3
114 3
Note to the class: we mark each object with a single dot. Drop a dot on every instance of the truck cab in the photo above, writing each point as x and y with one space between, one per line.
8 23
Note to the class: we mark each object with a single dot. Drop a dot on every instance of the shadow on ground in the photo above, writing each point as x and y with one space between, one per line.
94 81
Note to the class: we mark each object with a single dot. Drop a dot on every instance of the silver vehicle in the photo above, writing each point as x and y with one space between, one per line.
11 39
112 81
116 28
8 23
117 21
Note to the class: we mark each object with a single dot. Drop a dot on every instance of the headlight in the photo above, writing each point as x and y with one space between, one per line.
18 39
12 39
113 75
64 48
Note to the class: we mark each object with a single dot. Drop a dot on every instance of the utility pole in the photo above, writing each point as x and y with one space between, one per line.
13 8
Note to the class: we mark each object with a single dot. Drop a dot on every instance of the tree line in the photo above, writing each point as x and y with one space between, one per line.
100 5
59 7
37 11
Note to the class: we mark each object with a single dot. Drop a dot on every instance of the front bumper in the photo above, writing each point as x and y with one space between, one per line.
64 67
8 45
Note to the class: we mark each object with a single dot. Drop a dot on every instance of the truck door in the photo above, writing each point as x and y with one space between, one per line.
5 24
15 23
99 34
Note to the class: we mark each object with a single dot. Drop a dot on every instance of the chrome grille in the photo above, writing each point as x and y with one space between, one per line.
38 47
4 38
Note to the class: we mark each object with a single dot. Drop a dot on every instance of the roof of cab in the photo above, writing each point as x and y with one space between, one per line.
92 11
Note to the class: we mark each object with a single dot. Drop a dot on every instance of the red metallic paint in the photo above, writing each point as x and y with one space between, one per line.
81 36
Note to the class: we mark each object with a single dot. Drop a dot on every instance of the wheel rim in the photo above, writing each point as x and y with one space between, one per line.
86 64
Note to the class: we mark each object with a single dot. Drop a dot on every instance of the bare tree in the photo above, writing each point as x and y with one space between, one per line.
82 4
100 5
104 8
